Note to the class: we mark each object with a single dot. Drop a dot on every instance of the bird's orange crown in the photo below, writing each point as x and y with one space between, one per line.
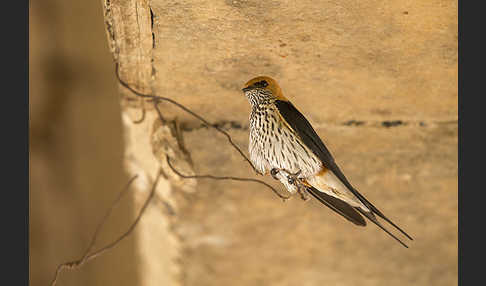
267 83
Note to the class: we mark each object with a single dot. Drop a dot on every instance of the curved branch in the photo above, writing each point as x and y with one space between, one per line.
284 198
156 98
87 257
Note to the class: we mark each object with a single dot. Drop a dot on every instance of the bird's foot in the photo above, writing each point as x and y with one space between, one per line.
294 178
274 173
291 181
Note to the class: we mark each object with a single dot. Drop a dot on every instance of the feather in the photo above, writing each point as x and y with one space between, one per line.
338 206
309 137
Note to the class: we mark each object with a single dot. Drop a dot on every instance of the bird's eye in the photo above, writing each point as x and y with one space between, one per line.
262 83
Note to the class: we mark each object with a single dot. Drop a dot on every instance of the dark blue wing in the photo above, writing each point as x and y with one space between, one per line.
308 135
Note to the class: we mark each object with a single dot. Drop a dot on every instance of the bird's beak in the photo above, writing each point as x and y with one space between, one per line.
245 89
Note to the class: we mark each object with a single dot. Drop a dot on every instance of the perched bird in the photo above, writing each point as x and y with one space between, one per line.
284 144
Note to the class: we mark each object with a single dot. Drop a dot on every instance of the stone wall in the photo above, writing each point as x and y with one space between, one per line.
377 79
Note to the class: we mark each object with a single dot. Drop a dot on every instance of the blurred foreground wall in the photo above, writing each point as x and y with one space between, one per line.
76 147
377 79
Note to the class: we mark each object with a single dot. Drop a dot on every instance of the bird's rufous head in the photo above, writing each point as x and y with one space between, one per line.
263 88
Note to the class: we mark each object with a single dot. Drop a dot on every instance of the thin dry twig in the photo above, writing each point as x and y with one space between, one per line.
284 198
107 214
87 257
156 99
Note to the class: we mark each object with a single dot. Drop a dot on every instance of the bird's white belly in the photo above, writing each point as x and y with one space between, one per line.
281 149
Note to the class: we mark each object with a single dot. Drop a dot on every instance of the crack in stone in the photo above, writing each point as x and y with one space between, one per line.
152 17
109 29
225 125
392 123
152 26
396 123
235 125
353 123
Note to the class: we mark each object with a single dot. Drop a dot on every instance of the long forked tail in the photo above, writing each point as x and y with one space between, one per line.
373 219
377 212
351 213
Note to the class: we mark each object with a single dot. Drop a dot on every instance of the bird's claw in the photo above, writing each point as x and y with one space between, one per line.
292 179
274 173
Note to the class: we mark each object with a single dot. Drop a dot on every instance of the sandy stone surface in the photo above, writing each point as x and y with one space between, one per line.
377 80
362 60
242 234
353 68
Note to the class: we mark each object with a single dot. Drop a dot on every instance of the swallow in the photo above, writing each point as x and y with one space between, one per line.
283 143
